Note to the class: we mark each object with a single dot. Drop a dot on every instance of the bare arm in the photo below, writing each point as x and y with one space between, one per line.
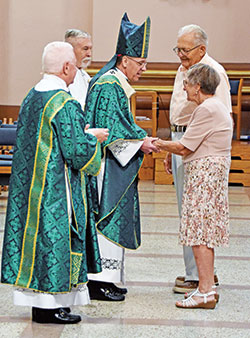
168 163
174 147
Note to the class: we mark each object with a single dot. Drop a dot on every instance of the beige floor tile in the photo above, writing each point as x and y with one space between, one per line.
149 331
11 330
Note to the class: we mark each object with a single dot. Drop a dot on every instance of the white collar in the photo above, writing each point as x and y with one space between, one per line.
51 82
124 81
120 72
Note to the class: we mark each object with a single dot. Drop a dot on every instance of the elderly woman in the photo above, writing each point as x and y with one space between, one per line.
205 148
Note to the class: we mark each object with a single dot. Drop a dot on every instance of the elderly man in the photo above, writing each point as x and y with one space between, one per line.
81 42
191 49
118 219
45 248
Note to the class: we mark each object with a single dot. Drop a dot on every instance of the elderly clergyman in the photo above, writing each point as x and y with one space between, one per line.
191 48
44 248
117 216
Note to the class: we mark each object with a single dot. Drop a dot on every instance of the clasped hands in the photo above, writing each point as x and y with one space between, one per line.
156 145
149 146
152 144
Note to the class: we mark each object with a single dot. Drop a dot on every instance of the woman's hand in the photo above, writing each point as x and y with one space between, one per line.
168 163
159 143
149 146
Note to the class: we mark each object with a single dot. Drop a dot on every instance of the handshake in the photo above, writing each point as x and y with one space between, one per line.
150 145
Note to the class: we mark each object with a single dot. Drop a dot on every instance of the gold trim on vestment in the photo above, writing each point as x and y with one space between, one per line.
144 39
33 237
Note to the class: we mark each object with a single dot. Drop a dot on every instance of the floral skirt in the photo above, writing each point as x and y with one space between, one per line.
205 210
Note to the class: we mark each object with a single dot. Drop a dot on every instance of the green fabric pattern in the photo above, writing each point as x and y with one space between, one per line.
118 216
39 239
93 166
107 107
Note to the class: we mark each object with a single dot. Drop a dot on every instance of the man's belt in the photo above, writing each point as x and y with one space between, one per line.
178 129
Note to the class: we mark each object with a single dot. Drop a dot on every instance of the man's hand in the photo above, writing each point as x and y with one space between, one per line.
148 146
86 128
100 133
168 163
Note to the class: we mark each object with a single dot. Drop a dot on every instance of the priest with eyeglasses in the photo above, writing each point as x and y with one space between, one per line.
117 204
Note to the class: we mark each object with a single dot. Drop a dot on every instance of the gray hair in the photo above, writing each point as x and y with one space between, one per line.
55 54
76 33
204 75
200 35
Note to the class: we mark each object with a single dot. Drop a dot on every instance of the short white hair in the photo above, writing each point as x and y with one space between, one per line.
75 33
199 34
55 54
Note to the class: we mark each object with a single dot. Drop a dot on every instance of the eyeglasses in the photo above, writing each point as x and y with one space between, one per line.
183 51
141 64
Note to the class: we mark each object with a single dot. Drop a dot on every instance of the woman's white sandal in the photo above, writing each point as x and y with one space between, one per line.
190 303
216 296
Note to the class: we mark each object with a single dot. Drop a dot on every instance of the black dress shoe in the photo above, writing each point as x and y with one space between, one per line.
99 284
99 291
55 316
123 291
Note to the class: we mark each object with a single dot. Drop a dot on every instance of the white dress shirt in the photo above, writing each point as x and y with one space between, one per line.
79 88
181 109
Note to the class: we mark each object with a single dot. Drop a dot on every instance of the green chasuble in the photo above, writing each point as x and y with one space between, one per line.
107 106
43 250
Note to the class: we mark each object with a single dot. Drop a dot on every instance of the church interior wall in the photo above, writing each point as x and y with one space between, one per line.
28 25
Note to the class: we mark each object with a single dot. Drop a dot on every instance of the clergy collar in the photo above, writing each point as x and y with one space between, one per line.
129 91
51 82
120 72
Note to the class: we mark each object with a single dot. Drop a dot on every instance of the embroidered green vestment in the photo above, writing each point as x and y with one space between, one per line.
118 215
43 250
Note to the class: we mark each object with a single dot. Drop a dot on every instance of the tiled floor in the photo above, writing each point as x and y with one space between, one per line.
149 309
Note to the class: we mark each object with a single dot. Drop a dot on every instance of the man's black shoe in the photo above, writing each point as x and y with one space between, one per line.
123 291
98 291
107 295
55 316
93 284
